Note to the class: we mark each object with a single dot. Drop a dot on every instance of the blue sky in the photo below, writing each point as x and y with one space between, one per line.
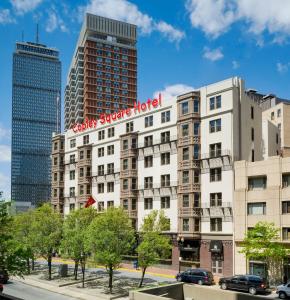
182 44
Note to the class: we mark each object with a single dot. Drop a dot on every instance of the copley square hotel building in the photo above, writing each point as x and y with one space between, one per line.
179 155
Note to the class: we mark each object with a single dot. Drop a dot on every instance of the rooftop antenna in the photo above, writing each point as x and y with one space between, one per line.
37 34
22 36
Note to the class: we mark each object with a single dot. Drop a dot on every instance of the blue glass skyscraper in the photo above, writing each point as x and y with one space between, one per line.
36 110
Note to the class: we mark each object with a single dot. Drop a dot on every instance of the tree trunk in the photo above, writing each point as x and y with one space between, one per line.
142 277
28 266
49 266
111 279
76 269
83 263
32 263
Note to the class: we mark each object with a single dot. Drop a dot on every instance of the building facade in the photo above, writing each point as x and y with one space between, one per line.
36 110
262 193
103 74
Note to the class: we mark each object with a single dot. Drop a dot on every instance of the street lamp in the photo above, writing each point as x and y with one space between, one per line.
180 241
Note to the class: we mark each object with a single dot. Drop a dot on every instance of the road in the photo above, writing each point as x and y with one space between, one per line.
27 292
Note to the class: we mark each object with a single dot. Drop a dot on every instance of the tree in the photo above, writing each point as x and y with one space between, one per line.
154 245
46 232
12 255
23 234
75 229
262 243
111 236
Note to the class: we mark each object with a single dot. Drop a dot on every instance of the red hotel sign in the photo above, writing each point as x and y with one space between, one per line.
109 118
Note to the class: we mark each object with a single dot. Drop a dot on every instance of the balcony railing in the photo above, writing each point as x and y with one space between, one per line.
215 154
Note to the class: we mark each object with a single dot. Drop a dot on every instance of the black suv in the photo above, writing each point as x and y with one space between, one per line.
247 283
3 276
199 276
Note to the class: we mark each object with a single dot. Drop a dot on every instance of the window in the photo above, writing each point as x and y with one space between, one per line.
88 189
110 150
125 145
125 184
285 207
165 158
111 132
286 233
253 155
185 153
196 151
279 113
54 192
196 176
148 140
257 208
252 134
82 154
100 188
134 204
184 130
72 191
129 127
215 174
184 108
101 206
110 168
185 177
165 180
252 112
277 138
215 199
285 180
125 164
110 187
148 121
86 139
215 102
81 172
88 154
101 152
272 115
133 163
196 200
215 150
257 183
195 106
72 143
196 128
101 135
165 116
110 204
55 177
101 170
217 266
55 146
165 137
134 143
165 202
81 189
185 201
148 161
148 182
134 184
216 224
55 161
125 204
185 224
215 125
72 159
72 175
88 173
71 207
148 203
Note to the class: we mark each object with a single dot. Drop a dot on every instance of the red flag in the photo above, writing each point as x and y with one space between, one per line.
90 201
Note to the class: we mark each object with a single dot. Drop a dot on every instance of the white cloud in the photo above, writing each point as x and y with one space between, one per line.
5 153
24 6
5 16
126 11
54 22
172 91
235 64
5 133
215 17
282 68
5 185
212 54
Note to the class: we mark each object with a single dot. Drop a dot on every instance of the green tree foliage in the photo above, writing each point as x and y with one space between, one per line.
154 245
111 236
46 232
12 255
263 243
74 243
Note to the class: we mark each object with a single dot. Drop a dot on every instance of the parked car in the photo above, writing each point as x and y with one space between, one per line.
283 290
1 288
199 276
3 276
247 283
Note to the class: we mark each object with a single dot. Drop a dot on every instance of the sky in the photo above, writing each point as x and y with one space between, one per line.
182 45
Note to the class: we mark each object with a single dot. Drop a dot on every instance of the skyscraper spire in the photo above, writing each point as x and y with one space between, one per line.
37 34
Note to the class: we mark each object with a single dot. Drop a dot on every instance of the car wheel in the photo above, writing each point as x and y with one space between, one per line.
282 295
224 286
200 282
252 290
178 279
